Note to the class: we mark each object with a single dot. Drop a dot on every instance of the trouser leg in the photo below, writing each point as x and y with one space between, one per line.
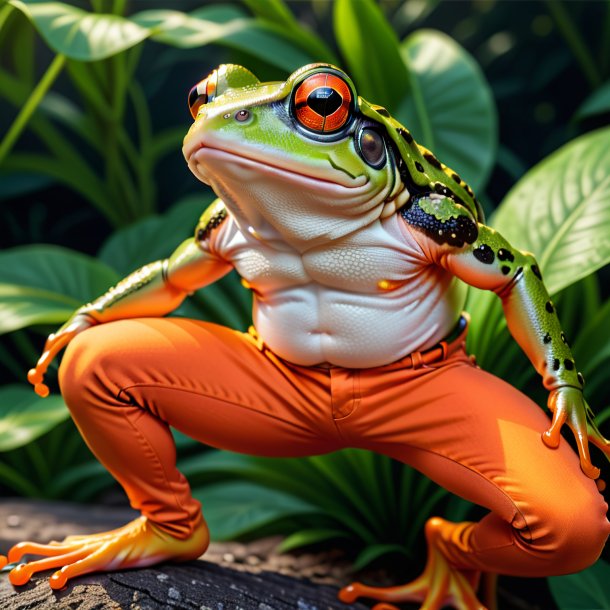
480 438
126 382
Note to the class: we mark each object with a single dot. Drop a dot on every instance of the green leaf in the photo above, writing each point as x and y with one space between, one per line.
153 238
45 284
597 103
560 211
375 551
80 35
275 11
380 76
265 40
450 107
311 536
238 508
186 30
592 352
583 591
24 416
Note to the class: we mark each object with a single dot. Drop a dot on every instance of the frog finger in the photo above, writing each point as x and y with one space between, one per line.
53 347
595 437
552 436
579 428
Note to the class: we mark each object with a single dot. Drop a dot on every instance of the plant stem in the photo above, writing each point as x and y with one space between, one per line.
605 43
575 41
30 106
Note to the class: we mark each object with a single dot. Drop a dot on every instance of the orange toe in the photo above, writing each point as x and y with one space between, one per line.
440 584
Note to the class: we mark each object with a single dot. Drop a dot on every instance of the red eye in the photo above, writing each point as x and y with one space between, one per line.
322 102
202 93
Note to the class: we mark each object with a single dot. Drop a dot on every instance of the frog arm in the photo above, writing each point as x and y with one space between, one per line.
153 290
477 254
158 288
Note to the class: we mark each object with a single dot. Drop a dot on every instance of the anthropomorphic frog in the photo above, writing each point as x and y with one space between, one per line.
357 244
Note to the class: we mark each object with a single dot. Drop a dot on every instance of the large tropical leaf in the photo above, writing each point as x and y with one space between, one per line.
597 103
560 211
238 508
81 35
450 108
155 237
45 284
24 416
380 76
265 40
586 590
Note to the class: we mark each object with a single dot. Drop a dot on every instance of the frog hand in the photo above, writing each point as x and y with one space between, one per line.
568 406
54 344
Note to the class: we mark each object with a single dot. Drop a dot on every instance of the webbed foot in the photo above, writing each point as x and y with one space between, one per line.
135 545
439 585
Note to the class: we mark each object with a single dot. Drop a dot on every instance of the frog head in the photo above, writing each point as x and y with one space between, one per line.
297 155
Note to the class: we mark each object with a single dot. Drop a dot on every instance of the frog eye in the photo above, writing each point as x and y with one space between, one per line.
322 102
371 147
202 93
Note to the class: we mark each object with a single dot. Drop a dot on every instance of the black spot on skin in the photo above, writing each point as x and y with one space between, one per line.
547 338
456 178
518 273
505 269
419 167
469 190
563 338
556 364
536 271
569 364
581 379
455 231
430 158
484 254
549 307
505 255
382 112
405 134
203 232
441 189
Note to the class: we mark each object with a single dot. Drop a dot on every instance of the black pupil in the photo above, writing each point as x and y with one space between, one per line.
371 147
324 100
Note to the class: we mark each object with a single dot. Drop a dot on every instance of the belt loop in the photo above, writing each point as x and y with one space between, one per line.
445 349
416 360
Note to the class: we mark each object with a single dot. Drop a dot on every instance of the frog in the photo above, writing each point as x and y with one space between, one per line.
358 246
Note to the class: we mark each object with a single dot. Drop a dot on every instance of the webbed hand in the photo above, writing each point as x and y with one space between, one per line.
568 405
54 344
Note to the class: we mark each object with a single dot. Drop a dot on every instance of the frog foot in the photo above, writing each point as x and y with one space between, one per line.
439 585
138 544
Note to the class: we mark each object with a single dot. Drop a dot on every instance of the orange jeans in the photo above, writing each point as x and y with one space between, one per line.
126 382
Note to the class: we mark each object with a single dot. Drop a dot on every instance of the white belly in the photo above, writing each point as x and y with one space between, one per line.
331 305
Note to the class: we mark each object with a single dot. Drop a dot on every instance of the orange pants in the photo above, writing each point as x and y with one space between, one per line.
125 382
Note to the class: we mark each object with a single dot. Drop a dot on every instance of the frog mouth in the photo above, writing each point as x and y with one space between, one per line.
331 174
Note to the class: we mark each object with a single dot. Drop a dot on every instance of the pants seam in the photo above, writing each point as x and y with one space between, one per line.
212 396
496 486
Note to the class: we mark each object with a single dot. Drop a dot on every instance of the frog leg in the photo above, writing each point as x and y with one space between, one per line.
439 585
138 544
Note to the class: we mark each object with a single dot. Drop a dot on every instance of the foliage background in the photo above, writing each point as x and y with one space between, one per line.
96 172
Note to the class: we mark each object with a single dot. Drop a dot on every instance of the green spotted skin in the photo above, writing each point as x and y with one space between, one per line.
419 167
481 257
213 217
